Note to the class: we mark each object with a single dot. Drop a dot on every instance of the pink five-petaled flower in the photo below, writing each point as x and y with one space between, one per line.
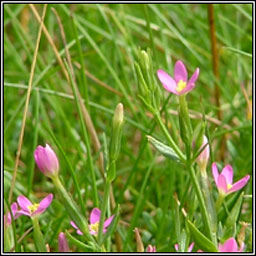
63 243
151 248
94 223
230 246
224 181
190 248
46 160
179 84
8 217
31 210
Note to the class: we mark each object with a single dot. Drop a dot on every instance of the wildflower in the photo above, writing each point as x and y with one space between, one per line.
178 85
190 248
94 223
8 217
31 210
151 248
225 179
46 160
203 158
63 243
230 246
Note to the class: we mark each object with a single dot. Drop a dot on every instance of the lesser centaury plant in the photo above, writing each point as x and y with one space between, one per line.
179 86
34 211
48 164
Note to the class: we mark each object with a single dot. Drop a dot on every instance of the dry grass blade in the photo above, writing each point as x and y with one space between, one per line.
26 105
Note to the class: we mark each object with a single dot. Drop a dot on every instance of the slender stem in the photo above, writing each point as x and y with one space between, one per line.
201 201
104 209
38 236
169 138
72 208
219 201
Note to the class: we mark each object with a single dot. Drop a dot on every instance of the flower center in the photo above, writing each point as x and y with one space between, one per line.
95 227
181 86
229 186
32 208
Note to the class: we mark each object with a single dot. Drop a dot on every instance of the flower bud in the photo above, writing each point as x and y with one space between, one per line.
203 158
63 243
46 160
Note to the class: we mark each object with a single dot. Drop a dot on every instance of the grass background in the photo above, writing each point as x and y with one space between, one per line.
109 35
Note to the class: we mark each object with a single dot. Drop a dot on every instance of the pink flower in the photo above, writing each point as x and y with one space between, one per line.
46 160
63 243
203 158
8 217
151 248
230 246
179 84
190 248
224 181
94 223
31 210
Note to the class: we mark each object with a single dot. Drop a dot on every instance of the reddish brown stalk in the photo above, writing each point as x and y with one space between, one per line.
215 66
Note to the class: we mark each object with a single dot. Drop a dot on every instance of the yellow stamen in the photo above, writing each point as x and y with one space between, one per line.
229 186
181 86
32 208
95 227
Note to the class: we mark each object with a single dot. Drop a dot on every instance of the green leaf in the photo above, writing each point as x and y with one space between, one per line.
200 239
230 225
163 149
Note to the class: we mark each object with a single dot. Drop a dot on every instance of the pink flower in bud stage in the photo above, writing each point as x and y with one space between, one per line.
179 84
203 158
151 248
63 243
46 160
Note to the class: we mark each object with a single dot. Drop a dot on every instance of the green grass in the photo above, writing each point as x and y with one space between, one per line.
103 39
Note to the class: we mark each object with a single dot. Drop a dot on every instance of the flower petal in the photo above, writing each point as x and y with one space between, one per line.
43 205
108 221
188 88
180 72
21 212
168 82
73 224
95 215
190 248
229 246
239 184
24 203
215 173
176 246
222 183
228 173
53 162
194 77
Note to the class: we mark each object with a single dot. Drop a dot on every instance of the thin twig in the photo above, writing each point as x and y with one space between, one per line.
22 237
26 105
215 66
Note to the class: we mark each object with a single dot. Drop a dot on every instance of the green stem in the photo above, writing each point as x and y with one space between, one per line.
201 201
209 205
219 201
72 208
169 138
38 236
104 209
